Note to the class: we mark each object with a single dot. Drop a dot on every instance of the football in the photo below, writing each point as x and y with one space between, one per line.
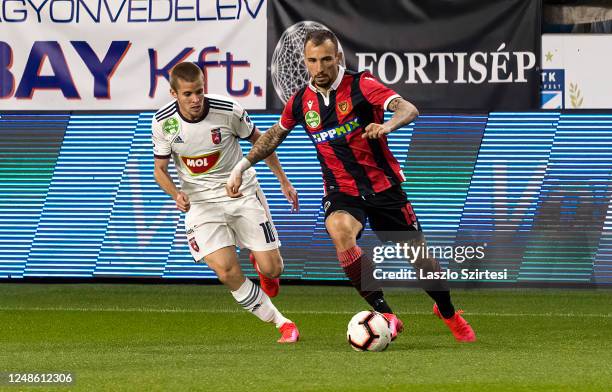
368 331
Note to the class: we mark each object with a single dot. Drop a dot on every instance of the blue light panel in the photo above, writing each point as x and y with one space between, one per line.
78 198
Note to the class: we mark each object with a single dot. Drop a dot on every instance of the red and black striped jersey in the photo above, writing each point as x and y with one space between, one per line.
350 164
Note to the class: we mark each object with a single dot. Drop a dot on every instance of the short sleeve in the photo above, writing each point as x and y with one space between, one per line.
375 92
287 120
242 125
161 146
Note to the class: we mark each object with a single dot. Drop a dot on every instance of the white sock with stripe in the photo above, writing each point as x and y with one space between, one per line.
252 298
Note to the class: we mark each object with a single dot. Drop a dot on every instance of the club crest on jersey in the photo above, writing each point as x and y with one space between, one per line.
171 126
337 132
216 135
312 118
344 107
201 164
194 245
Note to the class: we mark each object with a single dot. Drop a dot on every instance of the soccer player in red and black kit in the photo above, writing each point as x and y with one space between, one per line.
342 113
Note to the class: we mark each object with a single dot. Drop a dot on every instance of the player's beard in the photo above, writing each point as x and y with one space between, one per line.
327 82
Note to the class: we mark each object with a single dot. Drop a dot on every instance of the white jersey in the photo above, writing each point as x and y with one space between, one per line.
204 151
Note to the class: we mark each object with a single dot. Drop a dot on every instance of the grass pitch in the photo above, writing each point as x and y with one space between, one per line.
195 338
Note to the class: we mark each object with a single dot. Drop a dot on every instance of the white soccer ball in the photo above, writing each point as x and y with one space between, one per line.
368 331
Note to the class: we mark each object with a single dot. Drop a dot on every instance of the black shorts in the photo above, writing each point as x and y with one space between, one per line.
390 213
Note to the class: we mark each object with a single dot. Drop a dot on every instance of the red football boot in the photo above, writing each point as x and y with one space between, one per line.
461 329
395 324
289 333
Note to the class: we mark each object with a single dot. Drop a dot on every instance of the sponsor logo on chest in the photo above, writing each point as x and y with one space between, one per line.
171 126
341 130
201 164
312 119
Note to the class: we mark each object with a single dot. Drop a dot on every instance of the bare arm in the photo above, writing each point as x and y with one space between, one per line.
263 147
276 168
163 179
266 144
403 113
272 159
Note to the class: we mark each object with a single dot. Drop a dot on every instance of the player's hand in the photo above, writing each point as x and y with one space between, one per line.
182 202
374 131
291 195
233 183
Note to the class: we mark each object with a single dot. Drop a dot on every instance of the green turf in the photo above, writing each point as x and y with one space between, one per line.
190 337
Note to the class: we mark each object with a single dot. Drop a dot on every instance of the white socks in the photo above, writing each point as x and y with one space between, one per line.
252 298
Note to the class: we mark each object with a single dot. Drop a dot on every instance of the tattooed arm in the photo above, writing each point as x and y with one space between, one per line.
403 113
275 166
265 145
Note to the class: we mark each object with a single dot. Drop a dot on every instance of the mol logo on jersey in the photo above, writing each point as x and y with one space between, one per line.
337 132
201 164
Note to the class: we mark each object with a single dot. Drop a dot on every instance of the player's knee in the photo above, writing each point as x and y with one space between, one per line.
339 229
272 270
275 272
223 275
227 273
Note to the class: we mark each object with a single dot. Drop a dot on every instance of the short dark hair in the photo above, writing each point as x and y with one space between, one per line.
186 71
319 36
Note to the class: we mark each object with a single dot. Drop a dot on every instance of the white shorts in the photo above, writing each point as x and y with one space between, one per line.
244 222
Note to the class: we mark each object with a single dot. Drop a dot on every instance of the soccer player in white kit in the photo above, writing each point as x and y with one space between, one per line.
200 132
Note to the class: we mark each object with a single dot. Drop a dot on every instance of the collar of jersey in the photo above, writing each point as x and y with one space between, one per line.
197 120
334 85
